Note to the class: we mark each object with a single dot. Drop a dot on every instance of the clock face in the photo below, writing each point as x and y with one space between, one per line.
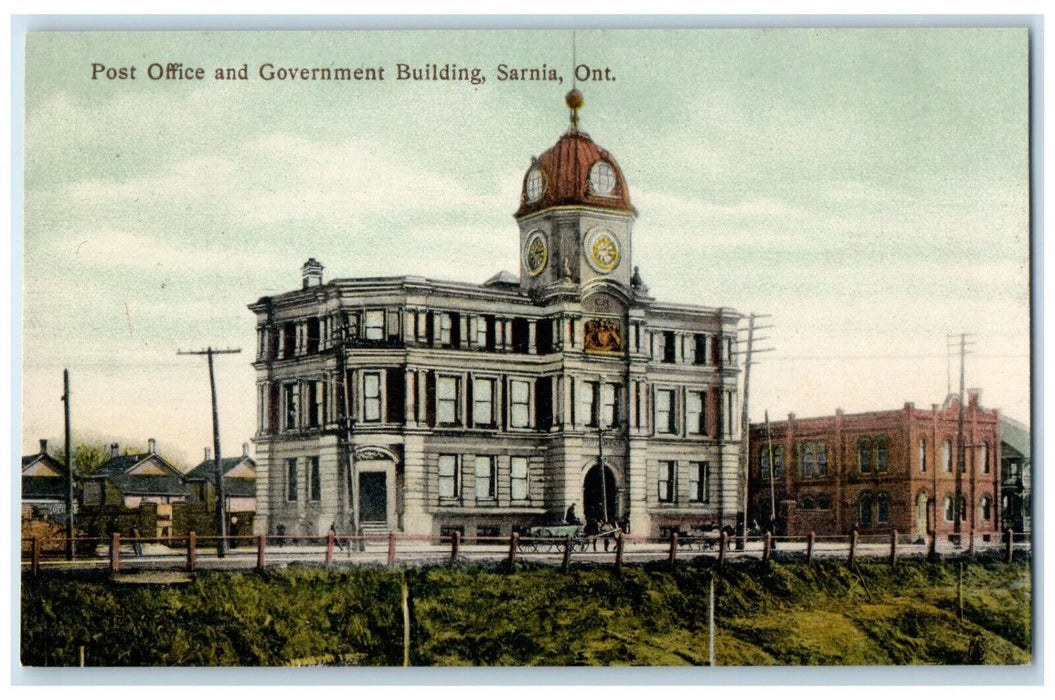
602 250
536 253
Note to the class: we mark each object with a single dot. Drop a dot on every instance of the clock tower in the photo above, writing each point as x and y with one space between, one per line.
575 216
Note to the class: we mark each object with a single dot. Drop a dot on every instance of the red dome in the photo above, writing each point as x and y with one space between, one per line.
568 178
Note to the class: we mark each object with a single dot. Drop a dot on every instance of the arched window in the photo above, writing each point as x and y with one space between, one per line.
808 460
808 503
882 508
922 455
778 461
983 458
864 507
985 507
963 507
823 502
881 453
864 454
822 458
763 461
946 456
921 512
947 509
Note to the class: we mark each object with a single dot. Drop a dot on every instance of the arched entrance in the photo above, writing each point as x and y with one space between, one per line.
595 493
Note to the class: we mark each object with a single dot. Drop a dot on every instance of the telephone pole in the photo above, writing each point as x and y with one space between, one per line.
69 464
961 449
745 425
221 515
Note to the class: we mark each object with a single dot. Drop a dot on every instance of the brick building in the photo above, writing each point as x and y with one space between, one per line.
427 406
879 471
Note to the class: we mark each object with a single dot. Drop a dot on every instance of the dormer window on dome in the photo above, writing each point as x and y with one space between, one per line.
536 184
602 179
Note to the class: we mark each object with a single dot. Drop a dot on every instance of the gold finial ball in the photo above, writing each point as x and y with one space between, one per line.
573 99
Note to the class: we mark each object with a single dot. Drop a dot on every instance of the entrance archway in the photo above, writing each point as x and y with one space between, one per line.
595 493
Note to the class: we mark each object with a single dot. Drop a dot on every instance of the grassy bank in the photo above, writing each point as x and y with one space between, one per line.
789 614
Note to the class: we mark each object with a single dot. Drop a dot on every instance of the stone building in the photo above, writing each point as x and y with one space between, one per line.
427 406
880 471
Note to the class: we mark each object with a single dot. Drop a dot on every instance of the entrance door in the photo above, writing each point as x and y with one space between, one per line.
595 493
921 514
373 497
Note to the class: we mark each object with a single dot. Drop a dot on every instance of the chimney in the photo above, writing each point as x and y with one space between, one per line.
311 273
152 446
245 449
114 452
43 447
208 454
974 397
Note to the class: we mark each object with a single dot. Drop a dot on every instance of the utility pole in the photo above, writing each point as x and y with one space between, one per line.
344 428
69 464
221 515
745 425
961 450
772 468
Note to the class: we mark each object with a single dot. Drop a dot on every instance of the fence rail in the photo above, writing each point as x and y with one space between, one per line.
192 552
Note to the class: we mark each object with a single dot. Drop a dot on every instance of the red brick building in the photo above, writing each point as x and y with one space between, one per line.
879 471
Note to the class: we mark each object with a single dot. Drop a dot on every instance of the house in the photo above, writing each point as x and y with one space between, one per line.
239 488
880 471
1016 476
428 407
134 491
45 486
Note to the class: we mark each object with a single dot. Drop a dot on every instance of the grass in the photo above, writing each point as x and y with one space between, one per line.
788 614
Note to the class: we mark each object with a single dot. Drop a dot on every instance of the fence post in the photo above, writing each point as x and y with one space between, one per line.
456 540
36 556
260 540
810 541
115 552
1010 555
767 545
619 552
893 547
514 540
192 550
391 548
567 553
329 547
853 548
672 558
723 544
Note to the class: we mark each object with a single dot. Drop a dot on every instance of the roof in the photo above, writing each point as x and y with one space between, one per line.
1015 434
29 460
206 470
154 485
239 488
503 278
43 487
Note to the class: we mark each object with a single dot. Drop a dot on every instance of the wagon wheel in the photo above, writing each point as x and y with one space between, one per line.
581 544
529 544
544 544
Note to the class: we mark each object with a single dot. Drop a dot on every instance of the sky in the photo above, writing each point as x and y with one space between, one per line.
868 189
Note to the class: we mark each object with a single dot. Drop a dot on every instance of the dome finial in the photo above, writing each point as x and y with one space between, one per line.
574 101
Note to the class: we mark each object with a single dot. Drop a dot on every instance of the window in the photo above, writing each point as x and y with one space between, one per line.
763 461
824 502
447 390
808 461
315 479
882 508
699 482
963 507
289 340
665 417
518 478
864 454
312 331
881 453
700 341
609 398
484 473
480 340
668 339
922 455
821 451
483 402
445 330
865 510
983 458
372 397
520 404
985 507
448 481
946 457
808 503
602 179
778 461
694 412
588 403
667 471
730 414
292 401
314 407
947 509
374 327
291 479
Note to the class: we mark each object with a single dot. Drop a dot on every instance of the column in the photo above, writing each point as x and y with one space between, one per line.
531 337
